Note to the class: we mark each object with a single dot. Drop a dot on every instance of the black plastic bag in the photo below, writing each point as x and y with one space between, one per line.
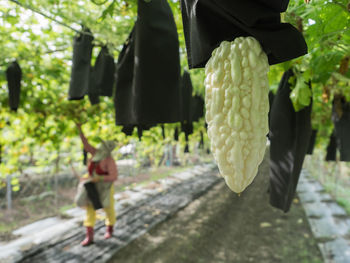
14 77
197 108
312 141
148 69
277 5
186 96
176 134
104 70
128 129
201 142
186 104
80 76
331 154
342 128
187 128
290 133
209 22
93 92
123 97
163 131
93 195
186 149
139 132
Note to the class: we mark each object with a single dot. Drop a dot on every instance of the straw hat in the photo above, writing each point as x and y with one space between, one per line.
104 150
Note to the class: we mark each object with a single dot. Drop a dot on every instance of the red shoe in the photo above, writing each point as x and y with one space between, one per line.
109 232
89 239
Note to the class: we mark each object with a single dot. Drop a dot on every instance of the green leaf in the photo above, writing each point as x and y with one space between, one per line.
301 94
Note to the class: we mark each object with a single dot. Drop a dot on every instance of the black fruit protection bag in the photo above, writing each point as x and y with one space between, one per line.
209 22
104 70
312 141
14 76
331 153
163 131
201 142
123 97
176 134
128 130
148 69
342 129
192 107
186 104
93 92
80 76
197 108
139 132
186 90
290 133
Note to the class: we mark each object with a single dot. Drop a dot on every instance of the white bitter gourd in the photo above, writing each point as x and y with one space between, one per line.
237 109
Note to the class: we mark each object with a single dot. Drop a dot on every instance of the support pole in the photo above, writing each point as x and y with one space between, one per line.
9 192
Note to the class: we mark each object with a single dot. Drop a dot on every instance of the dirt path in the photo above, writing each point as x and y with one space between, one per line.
222 227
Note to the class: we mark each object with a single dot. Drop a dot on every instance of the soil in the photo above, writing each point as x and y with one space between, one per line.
223 227
26 211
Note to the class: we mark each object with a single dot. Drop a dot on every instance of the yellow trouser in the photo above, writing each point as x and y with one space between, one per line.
110 213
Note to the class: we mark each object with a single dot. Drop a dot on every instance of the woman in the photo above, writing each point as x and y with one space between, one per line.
101 167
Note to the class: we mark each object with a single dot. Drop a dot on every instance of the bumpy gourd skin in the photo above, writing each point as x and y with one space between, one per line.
237 108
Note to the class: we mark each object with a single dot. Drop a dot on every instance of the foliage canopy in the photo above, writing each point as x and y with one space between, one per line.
39 34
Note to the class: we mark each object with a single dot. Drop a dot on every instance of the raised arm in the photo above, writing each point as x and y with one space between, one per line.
87 146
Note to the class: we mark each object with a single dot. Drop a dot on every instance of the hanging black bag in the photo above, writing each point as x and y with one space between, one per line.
342 127
82 50
128 130
176 134
207 23
312 141
148 69
289 135
93 92
104 70
186 104
197 108
331 152
14 76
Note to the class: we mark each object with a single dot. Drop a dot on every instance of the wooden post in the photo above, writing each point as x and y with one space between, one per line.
9 192
57 169
171 155
168 155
